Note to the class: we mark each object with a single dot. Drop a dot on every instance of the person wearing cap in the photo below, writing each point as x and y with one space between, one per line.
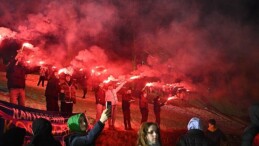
80 133
214 133
195 135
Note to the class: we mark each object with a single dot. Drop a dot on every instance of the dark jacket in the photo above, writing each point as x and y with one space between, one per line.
42 135
81 138
253 129
157 105
126 99
13 137
194 136
143 102
16 75
53 87
216 136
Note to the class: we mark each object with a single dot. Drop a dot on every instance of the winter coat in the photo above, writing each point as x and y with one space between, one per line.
13 137
69 91
16 75
126 98
53 88
143 102
42 135
194 136
81 138
216 136
253 129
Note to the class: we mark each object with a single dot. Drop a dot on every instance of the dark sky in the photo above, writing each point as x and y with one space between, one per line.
209 42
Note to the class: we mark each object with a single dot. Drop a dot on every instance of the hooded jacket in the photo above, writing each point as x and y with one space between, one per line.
77 137
42 135
194 136
253 129
13 137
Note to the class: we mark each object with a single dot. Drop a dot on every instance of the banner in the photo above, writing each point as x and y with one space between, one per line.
20 116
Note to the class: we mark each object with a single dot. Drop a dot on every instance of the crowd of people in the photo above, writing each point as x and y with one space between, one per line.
63 88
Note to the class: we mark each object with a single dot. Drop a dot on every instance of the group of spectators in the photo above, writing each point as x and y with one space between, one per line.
64 89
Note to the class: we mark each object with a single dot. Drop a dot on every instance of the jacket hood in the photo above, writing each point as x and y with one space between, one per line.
254 114
41 127
73 123
195 123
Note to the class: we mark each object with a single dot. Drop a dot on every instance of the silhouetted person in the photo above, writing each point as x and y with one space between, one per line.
80 134
143 106
13 137
214 133
42 134
195 135
253 129
52 93
126 100
43 76
16 76
83 84
99 93
157 108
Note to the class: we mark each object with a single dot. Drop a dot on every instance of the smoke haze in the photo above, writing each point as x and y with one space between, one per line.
211 44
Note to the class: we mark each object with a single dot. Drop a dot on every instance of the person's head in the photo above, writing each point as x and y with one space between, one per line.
128 91
212 123
149 134
144 93
68 78
41 127
101 85
78 123
195 123
14 136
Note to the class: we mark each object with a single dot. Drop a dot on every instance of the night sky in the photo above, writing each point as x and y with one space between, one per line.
211 44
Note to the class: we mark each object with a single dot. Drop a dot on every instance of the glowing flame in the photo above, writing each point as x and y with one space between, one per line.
66 71
28 45
1 38
171 98
106 81
110 78
28 61
149 84
41 62
81 69
134 77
